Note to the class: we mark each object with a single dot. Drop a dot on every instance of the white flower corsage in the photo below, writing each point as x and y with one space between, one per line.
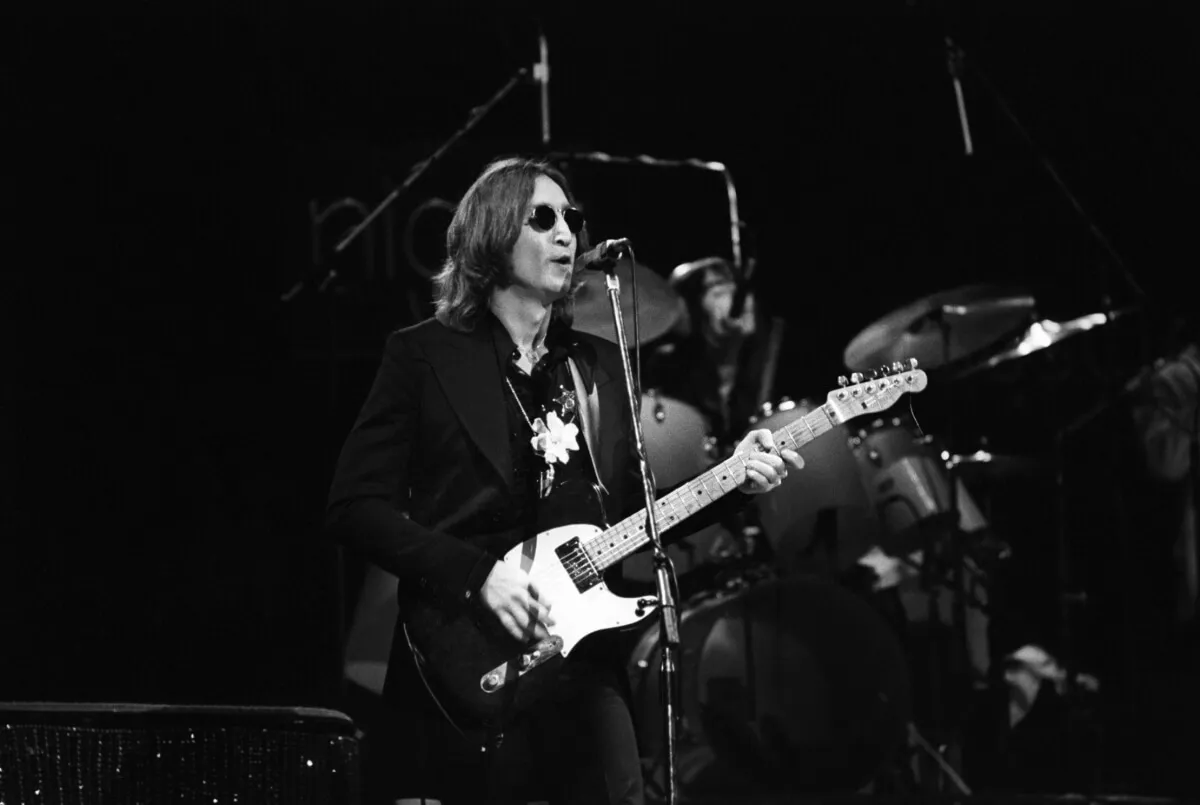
553 439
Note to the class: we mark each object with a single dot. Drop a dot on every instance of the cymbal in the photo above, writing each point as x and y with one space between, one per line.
1043 334
660 307
974 316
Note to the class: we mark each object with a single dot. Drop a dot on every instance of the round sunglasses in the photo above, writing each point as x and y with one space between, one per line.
545 216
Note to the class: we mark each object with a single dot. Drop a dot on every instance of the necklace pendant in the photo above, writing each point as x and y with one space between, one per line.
566 402
546 481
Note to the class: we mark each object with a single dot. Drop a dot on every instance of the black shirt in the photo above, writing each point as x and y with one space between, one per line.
542 490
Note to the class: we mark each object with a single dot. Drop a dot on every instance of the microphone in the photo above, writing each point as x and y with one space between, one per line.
541 74
954 58
739 300
602 257
743 288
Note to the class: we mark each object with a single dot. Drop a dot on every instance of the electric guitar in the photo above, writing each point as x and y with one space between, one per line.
481 675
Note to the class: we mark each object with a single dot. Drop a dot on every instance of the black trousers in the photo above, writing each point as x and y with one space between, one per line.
576 747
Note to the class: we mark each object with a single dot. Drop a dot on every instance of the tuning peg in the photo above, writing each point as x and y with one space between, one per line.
856 377
897 367
912 363
843 381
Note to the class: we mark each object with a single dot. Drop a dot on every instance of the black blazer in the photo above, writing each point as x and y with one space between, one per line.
426 467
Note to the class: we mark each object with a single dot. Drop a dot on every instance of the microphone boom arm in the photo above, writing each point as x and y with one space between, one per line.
477 114
735 223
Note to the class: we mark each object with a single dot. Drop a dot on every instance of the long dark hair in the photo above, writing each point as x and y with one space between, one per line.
481 237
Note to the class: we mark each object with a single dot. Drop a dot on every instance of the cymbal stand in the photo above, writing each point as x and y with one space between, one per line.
1070 600
418 170
937 556
1052 172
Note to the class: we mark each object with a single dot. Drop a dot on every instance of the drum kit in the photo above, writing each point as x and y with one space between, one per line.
793 678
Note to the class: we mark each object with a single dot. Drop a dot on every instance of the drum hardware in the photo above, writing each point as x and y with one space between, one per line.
949 318
768 409
967 329
938 756
774 344
914 488
1071 599
983 463
477 114
1042 337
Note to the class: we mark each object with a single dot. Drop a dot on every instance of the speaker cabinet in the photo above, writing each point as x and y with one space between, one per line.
63 754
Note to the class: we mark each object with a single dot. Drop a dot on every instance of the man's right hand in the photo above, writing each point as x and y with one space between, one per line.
516 602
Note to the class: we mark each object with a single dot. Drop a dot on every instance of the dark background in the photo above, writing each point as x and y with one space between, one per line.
171 422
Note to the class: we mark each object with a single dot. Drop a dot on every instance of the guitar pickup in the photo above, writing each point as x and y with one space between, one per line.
498 677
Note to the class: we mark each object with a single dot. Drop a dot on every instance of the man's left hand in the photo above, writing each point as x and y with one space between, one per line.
766 466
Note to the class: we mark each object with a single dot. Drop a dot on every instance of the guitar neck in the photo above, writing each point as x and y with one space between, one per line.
629 535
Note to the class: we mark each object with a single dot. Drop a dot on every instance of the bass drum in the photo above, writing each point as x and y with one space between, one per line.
788 686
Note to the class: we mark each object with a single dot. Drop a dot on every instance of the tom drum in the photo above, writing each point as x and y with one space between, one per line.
821 510
678 447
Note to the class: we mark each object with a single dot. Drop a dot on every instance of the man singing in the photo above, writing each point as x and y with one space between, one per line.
480 422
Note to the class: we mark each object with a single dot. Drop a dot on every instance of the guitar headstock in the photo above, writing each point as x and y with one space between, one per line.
859 395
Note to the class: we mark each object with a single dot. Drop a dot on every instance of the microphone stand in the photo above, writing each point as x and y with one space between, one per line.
477 114
665 584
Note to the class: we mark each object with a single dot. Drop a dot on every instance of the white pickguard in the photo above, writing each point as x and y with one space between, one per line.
576 615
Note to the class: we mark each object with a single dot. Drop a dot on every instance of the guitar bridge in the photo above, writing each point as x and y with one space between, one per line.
531 658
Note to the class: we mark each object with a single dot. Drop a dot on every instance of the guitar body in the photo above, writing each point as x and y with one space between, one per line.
481 675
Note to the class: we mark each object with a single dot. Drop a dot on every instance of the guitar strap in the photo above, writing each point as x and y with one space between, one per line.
589 417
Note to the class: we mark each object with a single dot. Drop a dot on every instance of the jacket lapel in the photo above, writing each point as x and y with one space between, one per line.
589 419
465 365
606 396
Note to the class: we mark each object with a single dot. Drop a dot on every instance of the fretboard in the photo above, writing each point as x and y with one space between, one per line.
629 535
